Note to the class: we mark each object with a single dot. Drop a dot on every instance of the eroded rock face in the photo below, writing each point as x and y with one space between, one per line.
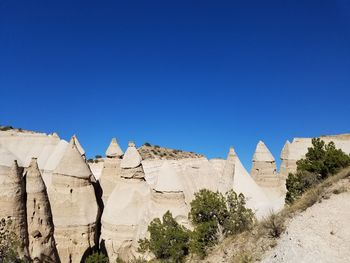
265 174
111 171
12 202
39 218
74 206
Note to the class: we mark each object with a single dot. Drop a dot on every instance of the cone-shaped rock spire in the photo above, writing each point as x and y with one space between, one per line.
74 206
131 158
72 163
39 218
12 203
262 153
228 174
285 151
114 149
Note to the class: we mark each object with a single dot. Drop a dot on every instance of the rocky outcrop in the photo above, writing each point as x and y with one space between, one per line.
287 165
111 169
74 206
39 218
12 200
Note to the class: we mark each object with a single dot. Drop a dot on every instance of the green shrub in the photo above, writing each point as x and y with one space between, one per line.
156 146
98 157
168 241
298 183
321 160
8 243
208 206
274 224
97 258
90 160
147 144
240 218
213 214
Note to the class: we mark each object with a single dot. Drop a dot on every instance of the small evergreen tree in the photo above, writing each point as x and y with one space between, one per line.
168 240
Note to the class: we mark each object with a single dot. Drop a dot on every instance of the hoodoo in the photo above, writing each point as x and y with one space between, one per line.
264 169
264 172
39 218
74 206
111 169
126 209
79 147
12 200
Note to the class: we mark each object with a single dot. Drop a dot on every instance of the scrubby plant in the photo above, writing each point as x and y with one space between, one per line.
321 161
8 243
215 215
274 224
98 157
168 240
97 257
147 144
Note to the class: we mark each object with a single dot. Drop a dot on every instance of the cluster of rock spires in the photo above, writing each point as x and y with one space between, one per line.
62 211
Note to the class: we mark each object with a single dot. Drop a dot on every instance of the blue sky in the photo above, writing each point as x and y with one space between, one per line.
194 75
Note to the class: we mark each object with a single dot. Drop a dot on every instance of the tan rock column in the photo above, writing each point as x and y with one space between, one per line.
74 206
42 246
111 169
12 202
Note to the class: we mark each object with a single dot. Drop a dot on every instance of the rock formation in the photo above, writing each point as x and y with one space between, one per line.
12 199
287 165
264 173
39 218
125 209
297 149
264 169
111 169
74 206
79 147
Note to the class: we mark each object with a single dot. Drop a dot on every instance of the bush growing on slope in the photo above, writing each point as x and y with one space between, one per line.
216 215
168 240
320 161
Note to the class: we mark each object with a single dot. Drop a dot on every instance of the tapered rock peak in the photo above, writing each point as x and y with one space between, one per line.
15 172
285 150
77 143
262 153
168 180
231 152
131 158
114 149
35 182
72 163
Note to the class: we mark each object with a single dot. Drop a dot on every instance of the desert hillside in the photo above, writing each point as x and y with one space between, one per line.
148 151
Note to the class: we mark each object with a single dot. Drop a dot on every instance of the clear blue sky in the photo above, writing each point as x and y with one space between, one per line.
194 75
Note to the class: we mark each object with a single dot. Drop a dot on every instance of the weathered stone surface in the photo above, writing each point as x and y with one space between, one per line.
77 143
74 206
114 149
12 201
124 213
264 173
131 158
39 218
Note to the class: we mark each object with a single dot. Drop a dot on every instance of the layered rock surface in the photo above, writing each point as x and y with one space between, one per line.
42 247
264 173
74 206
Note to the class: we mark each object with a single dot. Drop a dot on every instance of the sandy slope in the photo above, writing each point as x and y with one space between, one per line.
321 234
